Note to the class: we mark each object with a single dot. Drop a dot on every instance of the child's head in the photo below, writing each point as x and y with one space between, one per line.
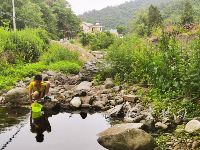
38 79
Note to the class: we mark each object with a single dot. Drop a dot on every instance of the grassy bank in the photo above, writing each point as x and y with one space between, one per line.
28 52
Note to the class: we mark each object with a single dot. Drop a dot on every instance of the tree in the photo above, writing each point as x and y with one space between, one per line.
188 13
120 29
154 17
88 21
140 24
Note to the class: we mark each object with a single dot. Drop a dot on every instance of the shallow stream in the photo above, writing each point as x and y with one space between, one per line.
76 130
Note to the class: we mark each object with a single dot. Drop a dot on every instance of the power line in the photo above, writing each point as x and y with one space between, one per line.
36 23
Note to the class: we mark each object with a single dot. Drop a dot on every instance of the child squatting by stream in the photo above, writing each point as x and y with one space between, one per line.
38 89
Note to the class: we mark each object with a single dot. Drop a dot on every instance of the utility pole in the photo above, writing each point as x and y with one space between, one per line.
14 24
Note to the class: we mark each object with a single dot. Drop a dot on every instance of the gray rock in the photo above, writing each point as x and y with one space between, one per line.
126 107
85 105
192 125
68 87
126 137
50 104
89 70
130 98
112 102
119 101
19 96
98 104
75 102
148 124
109 83
87 99
54 91
84 86
116 89
160 125
114 111
60 77
2 99
50 73
45 77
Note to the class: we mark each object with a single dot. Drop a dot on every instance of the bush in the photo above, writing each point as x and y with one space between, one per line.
57 53
27 44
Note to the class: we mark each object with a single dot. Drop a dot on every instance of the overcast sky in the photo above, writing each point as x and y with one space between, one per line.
81 6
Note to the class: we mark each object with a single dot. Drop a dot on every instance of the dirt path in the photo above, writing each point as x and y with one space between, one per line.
84 55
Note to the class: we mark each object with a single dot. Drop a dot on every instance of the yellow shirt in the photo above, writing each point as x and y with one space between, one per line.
33 86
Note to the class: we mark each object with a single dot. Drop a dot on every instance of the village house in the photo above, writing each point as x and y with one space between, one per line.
89 28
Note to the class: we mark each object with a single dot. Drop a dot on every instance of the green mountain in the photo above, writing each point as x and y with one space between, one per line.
112 16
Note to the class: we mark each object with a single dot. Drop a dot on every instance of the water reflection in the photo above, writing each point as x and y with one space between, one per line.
39 123
83 115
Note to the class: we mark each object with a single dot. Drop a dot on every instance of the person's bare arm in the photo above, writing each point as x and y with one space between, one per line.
30 95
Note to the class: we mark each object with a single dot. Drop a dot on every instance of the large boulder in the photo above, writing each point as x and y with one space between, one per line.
18 96
126 137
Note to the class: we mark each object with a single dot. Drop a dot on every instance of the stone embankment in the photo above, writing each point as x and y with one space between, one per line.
81 91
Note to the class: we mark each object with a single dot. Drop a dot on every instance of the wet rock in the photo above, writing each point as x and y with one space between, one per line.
130 98
114 111
85 105
75 102
18 96
192 125
51 105
109 83
160 125
126 137
126 107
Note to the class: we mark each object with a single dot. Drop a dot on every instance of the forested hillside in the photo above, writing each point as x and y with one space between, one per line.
112 16
54 14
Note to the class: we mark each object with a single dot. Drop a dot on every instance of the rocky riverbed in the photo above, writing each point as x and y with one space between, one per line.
140 129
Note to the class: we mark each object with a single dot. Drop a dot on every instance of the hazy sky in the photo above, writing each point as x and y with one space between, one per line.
81 6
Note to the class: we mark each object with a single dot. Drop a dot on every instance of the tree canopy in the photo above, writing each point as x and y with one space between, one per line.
54 14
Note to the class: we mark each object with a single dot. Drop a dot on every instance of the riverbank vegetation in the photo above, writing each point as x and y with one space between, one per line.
27 52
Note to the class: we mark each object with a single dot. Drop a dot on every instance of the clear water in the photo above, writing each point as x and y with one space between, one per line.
66 131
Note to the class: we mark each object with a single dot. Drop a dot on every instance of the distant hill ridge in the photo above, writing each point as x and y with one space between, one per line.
112 16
